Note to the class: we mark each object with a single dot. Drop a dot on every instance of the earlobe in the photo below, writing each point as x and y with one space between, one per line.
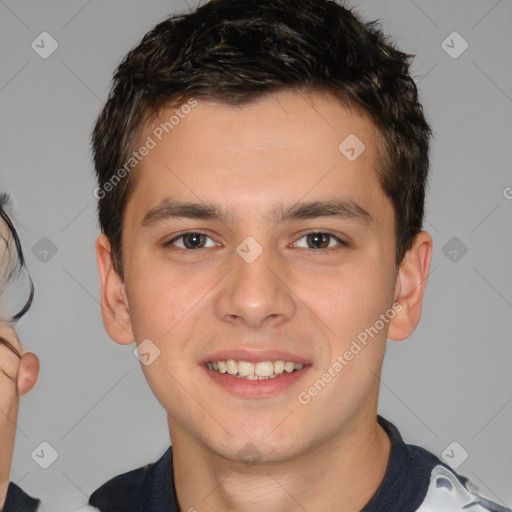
114 301
410 287
28 372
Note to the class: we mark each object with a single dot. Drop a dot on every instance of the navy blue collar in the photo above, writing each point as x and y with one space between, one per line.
151 487
407 476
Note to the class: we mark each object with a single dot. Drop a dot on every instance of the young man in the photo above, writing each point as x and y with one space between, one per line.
261 173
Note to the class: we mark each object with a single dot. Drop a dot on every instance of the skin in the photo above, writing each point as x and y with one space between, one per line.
18 375
329 454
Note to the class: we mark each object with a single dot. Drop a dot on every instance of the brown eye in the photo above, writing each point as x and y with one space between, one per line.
318 240
321 240
191 240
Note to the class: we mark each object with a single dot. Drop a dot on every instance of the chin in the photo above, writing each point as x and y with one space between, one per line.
253 450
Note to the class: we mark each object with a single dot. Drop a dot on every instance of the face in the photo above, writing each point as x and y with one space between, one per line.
16 287
286 259
18 366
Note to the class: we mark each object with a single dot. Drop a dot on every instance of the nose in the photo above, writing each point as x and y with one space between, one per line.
255 292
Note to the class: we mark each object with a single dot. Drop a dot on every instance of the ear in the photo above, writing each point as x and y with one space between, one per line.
410 287
114 301
28 372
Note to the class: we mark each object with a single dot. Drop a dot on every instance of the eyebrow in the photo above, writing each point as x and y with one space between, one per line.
339 208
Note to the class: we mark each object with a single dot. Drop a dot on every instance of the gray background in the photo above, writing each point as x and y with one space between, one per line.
451 381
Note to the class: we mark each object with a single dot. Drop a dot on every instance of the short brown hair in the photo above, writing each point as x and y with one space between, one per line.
236 51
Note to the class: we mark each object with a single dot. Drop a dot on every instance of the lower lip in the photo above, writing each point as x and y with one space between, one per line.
256 388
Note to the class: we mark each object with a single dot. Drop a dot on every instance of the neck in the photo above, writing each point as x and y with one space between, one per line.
341 474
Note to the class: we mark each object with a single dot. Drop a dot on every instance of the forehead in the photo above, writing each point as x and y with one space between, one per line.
279 149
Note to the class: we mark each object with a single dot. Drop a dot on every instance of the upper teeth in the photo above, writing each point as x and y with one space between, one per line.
245 369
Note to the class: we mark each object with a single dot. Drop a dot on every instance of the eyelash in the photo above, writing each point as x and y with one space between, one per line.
342 243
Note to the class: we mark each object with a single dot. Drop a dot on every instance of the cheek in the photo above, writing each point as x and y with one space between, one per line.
350 302
160 301
350 299
164 309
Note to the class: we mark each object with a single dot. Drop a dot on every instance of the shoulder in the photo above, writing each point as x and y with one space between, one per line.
130 491
17 500
450 492
416 480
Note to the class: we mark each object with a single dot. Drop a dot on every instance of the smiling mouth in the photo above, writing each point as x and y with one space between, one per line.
254 371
